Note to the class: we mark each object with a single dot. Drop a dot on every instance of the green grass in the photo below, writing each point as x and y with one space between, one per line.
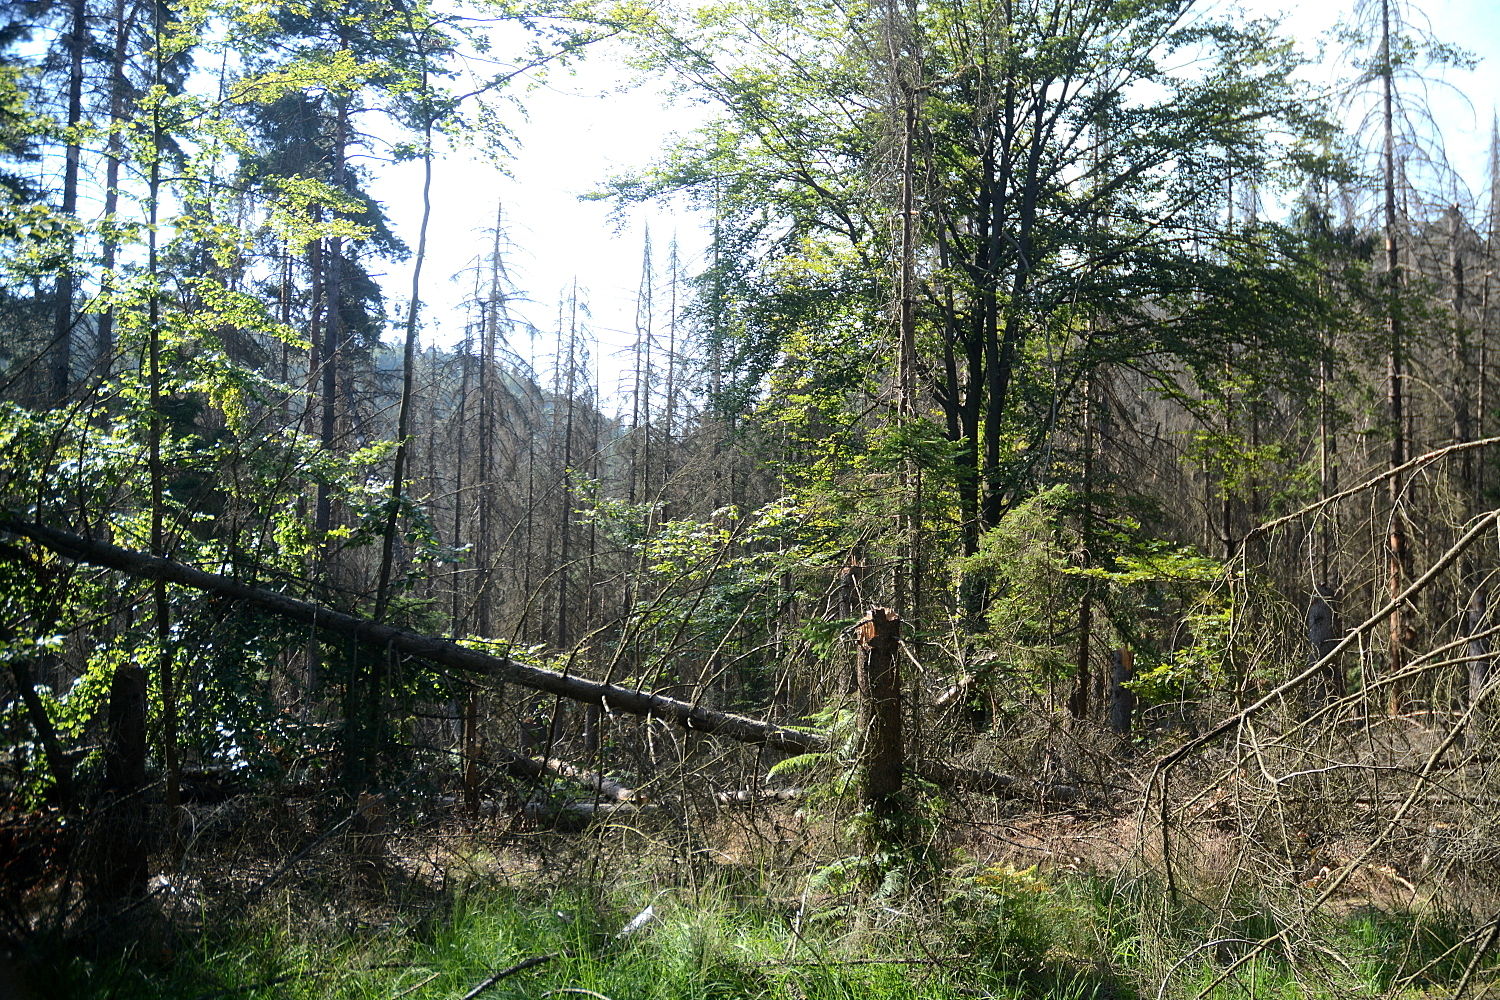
1000 934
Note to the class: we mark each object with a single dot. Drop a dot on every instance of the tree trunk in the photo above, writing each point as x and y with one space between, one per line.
881 749
473 751
450 654
36 713
1478 652
62 325
125 839
1398 557
1322 637
1122 699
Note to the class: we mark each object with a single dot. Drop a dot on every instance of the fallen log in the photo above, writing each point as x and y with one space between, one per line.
991 783
754 796
441 651
529 767
450 654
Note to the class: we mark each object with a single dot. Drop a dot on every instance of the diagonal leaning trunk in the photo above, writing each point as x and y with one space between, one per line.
883 672
442 651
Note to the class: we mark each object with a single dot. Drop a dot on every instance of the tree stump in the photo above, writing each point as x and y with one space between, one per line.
125 840
878 676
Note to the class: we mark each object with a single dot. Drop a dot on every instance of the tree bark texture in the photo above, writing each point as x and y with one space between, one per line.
442 651
1478 649
121 872
879 676
36 713
611 697
1322 638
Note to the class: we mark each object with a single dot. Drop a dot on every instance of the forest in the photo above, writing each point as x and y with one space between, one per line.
1042 545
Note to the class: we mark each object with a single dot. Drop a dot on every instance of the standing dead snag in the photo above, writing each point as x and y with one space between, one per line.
126 842
1322 637
473 751
1121 698
879 678
1478 654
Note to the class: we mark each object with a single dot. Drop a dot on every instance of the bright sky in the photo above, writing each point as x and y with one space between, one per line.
581 129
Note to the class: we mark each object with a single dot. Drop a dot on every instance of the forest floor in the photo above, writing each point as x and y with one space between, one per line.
1004 900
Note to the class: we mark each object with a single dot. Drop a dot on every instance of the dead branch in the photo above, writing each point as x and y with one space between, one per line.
1233 722
450 654
528 767
441 651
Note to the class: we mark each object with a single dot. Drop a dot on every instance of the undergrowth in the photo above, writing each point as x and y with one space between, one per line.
995 932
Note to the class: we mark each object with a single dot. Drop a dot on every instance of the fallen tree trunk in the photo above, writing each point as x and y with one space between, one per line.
450 654
530 767
441 651
756 796
994 784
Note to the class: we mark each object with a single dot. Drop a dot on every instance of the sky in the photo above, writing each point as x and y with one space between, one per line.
580 129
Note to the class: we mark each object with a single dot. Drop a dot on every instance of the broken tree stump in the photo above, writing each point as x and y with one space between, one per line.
879 681
124 839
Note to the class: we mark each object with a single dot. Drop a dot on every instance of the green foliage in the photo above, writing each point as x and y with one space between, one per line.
1059 548
1005 916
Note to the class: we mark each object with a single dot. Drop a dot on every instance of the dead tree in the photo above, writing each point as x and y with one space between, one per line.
1322 637
121 871
1121 699
879 678
880 670
1478 653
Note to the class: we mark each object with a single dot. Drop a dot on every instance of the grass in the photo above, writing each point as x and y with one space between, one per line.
998 933
698 947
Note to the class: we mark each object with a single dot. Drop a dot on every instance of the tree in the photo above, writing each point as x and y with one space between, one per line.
1018 105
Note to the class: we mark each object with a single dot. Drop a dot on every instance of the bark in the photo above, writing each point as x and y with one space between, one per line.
450 654
1322 637
333 340
36 713
161 608
905 59
1480 528
62 332
408 364
1078 699
473 752
375 694
881 749
1478 650
439 651
121 872
115 155
551 767
1398 557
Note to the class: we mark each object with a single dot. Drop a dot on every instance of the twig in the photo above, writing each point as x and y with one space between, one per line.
1170 760
1420 460
416 986
530 963
1188 957
1473 966
287 866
